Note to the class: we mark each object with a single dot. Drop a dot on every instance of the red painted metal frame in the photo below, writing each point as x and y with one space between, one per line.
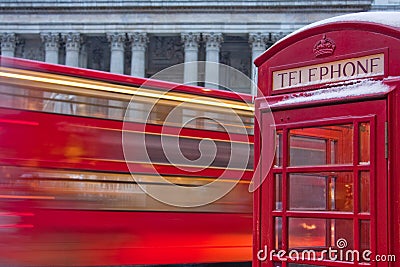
393 143
352 38
331 115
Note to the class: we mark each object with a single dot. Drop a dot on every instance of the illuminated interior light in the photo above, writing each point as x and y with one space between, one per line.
308 226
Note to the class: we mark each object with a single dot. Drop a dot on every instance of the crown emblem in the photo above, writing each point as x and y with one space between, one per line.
324 47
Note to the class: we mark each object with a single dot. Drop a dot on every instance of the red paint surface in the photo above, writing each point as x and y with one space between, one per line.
351 38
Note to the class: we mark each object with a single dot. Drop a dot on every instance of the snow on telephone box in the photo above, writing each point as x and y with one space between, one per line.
332 194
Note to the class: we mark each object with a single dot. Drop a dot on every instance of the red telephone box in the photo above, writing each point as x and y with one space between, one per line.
332 194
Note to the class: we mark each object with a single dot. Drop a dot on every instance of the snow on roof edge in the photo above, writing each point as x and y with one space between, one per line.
364 87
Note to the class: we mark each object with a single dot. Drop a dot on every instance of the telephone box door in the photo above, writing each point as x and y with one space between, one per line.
326 188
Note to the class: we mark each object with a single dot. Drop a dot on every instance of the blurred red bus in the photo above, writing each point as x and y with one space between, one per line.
67 195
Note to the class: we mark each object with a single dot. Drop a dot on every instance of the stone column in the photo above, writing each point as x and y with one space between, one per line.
191 45
51 43
213 43
117 41
258 43
139 42
83 55
8 44
276 36
72 47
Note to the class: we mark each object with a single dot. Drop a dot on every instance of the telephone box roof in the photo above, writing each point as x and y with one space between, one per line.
387 22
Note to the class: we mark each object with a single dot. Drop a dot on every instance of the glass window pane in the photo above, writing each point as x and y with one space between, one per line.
279 147
341 234
327 191
342 191
319 234
307 192
364 136
278 191
278 232
365 235
307 233
333 152
321 145
307 151
365 243
364 192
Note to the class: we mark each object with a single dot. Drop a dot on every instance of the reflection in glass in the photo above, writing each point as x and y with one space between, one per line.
364 135
307 192
364 192
306 233
321 145
307 151
327 191
278 232
342 229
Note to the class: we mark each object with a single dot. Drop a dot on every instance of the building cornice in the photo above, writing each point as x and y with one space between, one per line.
180 3
168 17
125 6
385 8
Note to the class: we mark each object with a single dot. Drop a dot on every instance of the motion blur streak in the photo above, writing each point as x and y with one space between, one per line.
66 195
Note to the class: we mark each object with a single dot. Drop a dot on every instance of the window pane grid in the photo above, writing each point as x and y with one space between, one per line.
358 193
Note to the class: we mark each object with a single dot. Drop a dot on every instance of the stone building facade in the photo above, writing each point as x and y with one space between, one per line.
140 38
